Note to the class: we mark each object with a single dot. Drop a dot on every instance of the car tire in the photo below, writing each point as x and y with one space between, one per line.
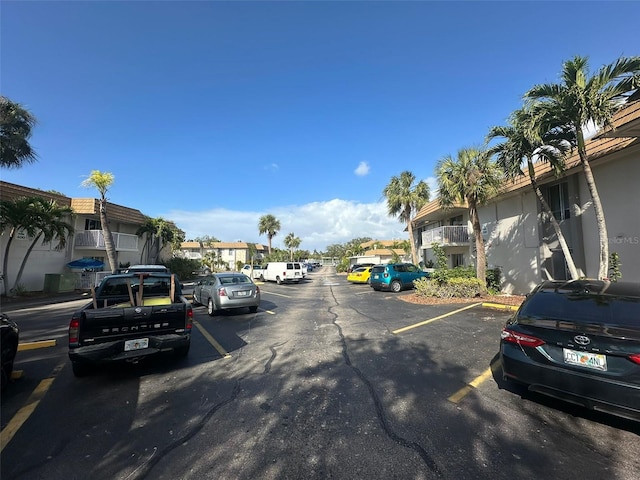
395 286
183 351
211 307
80 369
261 278
278 281
253 309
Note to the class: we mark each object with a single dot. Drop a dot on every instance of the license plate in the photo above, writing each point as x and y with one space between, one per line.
138 344
595 361
375 276
243 293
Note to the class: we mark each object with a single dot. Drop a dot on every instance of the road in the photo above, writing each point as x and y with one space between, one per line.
327 380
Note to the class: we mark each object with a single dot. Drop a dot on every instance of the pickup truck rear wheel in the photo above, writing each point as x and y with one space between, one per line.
396 286
211 308
182 351
80 369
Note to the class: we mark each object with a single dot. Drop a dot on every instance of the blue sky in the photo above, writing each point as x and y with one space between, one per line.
212 114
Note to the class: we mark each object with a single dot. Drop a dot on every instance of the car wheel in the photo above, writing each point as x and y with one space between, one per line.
80 369
278 281
396 286
253 309
182 351
261 278
211 308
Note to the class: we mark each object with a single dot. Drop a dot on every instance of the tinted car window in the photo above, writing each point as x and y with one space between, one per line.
411 268
400 268
583 308
377 269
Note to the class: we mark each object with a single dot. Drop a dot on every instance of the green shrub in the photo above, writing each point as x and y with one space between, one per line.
183 267
456 287
494 280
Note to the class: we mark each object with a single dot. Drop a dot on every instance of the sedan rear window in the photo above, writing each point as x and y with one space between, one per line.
583 308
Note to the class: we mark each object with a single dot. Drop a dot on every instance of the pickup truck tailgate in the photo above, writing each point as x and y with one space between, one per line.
108 324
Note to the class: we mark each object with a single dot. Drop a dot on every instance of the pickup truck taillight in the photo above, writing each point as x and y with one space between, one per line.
74 328
189 318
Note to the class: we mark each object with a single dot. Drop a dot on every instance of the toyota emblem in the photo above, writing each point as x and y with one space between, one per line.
582 340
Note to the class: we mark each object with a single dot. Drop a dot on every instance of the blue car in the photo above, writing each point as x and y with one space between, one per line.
395 276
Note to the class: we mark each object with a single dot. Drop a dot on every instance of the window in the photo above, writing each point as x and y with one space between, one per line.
456 220
558 198
457 260
90 224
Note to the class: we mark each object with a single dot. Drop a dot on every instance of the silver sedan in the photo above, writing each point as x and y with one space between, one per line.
226 291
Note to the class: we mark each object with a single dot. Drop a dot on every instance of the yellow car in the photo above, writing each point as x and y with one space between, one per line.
360 275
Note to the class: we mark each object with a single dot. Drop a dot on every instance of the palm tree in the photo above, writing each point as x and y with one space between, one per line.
50 225
102 181
472 178
270 225
404 199
16 123
159 232
16 215
580 100
291 242
524 140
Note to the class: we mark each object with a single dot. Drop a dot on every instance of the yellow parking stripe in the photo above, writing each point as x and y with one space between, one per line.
23 414
500 306
33 345
464 391
212 340
420 324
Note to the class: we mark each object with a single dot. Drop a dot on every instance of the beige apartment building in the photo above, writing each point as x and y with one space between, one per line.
87 242
520 240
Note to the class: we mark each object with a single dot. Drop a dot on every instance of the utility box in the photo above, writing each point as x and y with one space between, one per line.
59 282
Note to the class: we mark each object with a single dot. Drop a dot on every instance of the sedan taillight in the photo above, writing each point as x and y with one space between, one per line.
635 358
222 292
510 336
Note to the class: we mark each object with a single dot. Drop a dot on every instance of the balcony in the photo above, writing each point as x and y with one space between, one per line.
447 236
94 240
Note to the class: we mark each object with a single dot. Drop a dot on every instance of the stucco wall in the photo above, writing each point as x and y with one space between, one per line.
511 240
618 184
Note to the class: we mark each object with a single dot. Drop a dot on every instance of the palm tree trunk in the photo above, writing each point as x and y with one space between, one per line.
573 271
481 256
414 251
5 262
108 239
24 260
269 237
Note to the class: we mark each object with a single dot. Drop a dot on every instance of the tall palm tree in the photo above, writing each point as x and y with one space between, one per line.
50 224
16 123
291 242
270 225
405 198
526 141
473 178
580 100
102 181
16 215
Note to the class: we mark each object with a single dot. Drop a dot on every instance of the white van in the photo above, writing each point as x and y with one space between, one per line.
283 272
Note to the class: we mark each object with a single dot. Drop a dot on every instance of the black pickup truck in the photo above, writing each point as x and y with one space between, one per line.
130 316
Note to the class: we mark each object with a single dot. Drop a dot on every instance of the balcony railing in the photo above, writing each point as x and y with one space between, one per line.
446 236
94 239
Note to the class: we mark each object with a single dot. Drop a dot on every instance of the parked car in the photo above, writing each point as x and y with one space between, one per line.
359 265
578 341
224 291
395 276
360 275
10 335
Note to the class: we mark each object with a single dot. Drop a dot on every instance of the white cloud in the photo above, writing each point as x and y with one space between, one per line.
362 170
272 167
318 224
